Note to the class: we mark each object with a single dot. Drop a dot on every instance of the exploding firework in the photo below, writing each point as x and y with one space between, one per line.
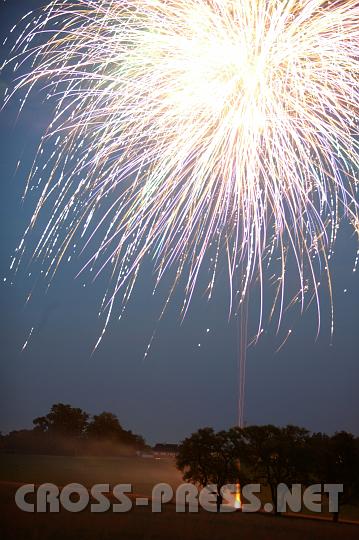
195 131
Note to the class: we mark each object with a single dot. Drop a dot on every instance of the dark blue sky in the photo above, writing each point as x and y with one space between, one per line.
180 386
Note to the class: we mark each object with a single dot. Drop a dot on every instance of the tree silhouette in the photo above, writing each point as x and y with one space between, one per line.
63 420
336 461
207 458
273 455
106 427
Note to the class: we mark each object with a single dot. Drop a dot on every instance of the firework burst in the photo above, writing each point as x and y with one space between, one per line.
195 130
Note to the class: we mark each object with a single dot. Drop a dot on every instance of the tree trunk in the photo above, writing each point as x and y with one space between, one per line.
219 502
273 489
336 514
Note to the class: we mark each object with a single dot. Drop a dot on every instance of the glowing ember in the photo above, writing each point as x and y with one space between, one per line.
237 501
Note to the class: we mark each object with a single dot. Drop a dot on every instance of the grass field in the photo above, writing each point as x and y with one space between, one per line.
140 523
61 470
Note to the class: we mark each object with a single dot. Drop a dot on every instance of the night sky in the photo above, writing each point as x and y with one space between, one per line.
180 386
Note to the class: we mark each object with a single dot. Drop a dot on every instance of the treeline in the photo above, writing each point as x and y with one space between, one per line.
270 455
68 430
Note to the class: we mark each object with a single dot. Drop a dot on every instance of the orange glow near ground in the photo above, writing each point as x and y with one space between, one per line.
238 502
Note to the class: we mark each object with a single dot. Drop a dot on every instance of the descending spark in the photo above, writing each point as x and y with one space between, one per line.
27 340
284 341
197 132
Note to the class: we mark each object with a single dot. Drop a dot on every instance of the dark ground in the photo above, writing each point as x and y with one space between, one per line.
142 524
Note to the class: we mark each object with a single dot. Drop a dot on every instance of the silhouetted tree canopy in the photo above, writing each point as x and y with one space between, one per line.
70 430
207 458
106 426
336 461
63 419
271 455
